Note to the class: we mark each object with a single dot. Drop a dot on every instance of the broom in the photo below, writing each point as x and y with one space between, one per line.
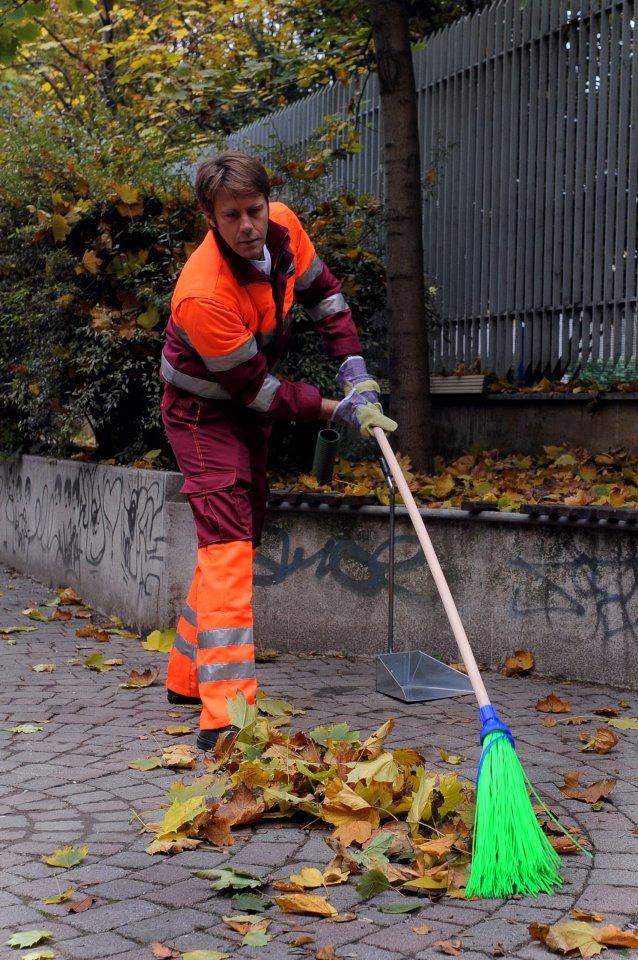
510 852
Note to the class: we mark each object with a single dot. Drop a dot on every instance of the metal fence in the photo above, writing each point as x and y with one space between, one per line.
528 122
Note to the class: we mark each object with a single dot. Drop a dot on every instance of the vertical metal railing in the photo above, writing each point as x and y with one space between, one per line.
528 119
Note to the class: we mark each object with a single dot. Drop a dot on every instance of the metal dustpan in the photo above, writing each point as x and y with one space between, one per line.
411 675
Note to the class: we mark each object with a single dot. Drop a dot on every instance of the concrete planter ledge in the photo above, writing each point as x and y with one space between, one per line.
564 588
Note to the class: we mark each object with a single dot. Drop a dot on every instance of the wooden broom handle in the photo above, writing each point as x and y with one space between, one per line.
435 568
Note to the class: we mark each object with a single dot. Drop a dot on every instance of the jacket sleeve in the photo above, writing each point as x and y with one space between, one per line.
319 293
229 351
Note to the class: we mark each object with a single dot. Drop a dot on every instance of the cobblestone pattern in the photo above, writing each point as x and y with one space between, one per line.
71 784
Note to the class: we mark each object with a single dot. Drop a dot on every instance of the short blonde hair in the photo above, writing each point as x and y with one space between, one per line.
233 171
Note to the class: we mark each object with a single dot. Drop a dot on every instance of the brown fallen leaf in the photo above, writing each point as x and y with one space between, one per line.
136 680
301 941
520 663
591 794
61 615
68 595
243 807
452 947
327 952
587 915
93 632
602 741
564 845
571 936
499 950
79 906
245 925
613 936
162 952
423 929
306 903
606 712
341 918
553 704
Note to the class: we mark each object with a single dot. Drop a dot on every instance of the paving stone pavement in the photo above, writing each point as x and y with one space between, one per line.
70 784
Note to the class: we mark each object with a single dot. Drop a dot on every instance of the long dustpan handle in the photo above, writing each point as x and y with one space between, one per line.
435 568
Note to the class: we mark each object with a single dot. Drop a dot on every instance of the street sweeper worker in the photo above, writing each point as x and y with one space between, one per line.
230 324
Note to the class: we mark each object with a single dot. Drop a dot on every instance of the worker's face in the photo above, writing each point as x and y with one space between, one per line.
242 221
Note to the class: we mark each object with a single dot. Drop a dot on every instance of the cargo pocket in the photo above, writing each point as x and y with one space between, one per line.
220 505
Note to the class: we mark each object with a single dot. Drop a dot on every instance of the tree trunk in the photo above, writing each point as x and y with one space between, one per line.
408 337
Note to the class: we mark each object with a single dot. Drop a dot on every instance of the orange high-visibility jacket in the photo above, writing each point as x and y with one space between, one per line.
230 323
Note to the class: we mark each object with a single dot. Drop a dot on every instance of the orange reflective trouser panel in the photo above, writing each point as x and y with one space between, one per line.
216 659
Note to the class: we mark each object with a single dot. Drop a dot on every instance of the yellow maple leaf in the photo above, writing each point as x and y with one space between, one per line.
305 903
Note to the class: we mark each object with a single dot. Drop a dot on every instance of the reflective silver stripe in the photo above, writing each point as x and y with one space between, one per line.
183 646
310 275
213 672
184 336
266 395
330 305
201 388
233 359
227 637
189 615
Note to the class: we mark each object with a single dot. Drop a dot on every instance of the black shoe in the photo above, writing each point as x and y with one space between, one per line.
207 739
173 697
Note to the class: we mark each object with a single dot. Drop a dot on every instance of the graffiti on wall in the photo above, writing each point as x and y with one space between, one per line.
85 520
601 592
352 566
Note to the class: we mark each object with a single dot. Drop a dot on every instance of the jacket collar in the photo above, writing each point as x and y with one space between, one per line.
243 271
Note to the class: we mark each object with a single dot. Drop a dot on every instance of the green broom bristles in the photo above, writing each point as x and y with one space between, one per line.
510 852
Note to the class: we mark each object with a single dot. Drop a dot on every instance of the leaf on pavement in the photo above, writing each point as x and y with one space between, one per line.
39 955
29 938
100 635
137 680
612 936
68 596
591 794
180 755
518 664
263 654
250 902
602 741
43 668
205 955
305 903
175 842
423 929
624 723
406 907
25 728
95 661
79 906
66 857
587 915
373 883
227 878
553 704
451 758
146 763
244 924
17 629
162 952
60 897
178 729
313 878
570 937
160 640
275 707
451 947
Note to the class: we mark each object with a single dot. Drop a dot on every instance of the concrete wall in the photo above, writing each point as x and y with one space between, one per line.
527 422
124 540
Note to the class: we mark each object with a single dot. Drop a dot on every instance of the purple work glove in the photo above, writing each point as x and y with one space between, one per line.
353 373
355 413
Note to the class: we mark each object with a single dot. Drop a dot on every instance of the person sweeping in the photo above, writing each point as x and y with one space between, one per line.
230 324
